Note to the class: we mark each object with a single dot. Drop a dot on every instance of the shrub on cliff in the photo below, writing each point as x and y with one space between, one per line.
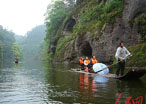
139 57
97 15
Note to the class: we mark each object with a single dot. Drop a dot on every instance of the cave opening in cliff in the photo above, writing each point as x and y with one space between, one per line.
87 50
70 24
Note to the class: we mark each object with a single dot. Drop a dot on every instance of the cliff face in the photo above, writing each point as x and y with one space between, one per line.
103 41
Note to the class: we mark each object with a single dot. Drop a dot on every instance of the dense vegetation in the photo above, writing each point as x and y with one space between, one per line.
93 14
97 15
9 49
139 57
55 15
31 44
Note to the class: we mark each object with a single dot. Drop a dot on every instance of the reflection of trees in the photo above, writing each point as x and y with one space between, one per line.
61 83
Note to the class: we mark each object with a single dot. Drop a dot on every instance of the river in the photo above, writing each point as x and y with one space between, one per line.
38 83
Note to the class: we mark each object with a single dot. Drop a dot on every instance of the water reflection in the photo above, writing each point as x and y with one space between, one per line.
100 79
36 83
87 87
92 89
19 85
132 88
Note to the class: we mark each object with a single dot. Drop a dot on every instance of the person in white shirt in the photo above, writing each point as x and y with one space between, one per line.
121 54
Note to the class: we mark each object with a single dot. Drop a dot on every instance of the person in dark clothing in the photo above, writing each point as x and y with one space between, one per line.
121 66
16 60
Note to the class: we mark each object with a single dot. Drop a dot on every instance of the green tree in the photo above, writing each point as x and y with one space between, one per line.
6 43
55 15
16 51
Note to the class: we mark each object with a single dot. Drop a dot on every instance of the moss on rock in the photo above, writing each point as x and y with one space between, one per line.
97 15
140 20
142 26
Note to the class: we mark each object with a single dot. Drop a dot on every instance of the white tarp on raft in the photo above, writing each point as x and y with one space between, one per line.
100 66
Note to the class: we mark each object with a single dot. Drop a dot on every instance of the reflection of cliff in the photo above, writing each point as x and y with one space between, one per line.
98 32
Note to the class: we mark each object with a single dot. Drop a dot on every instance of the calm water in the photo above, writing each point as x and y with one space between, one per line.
37 83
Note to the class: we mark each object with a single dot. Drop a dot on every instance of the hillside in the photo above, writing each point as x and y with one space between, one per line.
96 27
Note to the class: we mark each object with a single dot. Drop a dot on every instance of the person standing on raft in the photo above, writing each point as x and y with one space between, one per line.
121 54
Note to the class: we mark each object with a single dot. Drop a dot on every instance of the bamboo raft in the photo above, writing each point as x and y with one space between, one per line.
130 75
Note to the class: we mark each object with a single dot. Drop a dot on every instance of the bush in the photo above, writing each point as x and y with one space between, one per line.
61 43
139 57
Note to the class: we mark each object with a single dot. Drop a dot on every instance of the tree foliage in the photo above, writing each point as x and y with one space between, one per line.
7 41
58 13
16 51
55 15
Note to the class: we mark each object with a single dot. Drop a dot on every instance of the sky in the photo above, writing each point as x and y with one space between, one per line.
21 16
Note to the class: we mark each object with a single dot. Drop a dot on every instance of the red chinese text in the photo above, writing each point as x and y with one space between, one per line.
130 100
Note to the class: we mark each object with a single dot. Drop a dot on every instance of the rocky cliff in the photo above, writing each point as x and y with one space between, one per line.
97 27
